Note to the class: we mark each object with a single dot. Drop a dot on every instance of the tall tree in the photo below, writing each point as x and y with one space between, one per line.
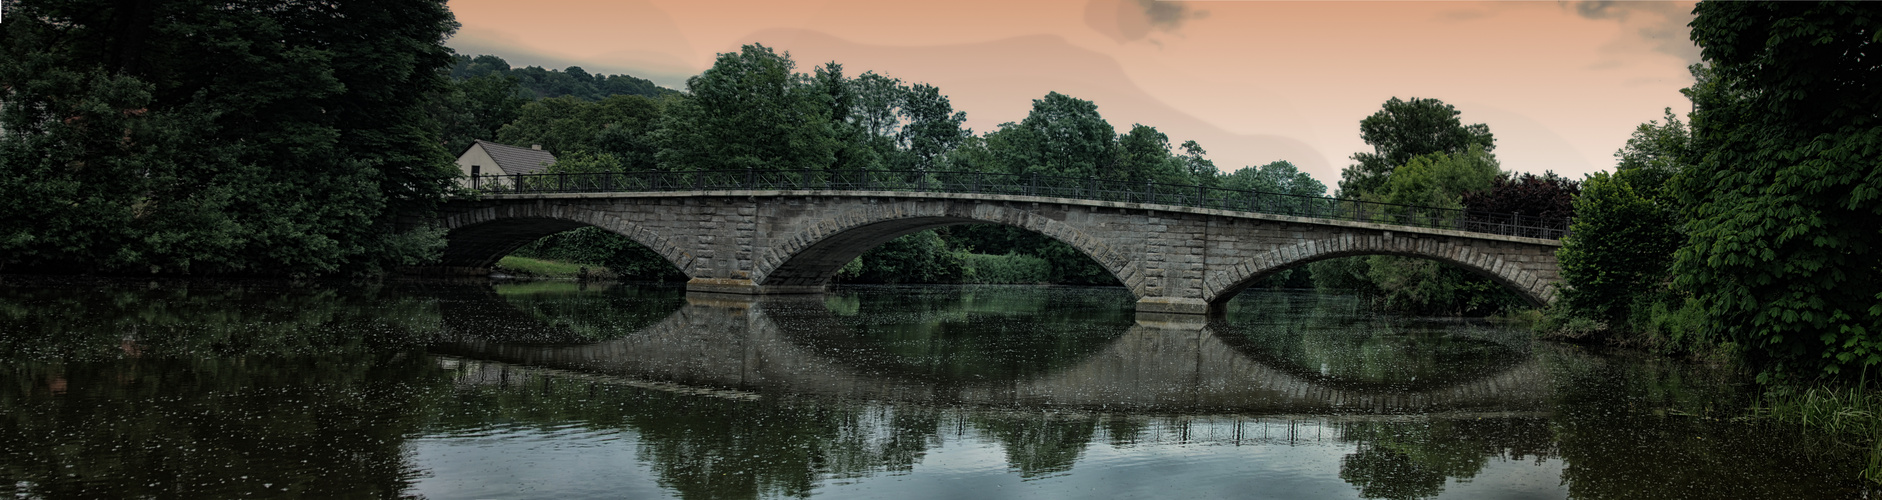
931 127
1656 151
1784 204
1062 135
750 110
197 136
1144 156
1403 130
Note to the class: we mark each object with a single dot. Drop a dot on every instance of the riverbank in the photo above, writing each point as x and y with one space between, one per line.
527 268
1850 416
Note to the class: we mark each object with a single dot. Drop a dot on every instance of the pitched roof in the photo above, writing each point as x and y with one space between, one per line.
515 160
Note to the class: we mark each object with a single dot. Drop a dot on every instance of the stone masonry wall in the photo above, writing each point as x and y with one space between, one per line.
1175 259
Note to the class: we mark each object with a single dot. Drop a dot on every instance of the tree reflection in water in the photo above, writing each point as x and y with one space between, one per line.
233 388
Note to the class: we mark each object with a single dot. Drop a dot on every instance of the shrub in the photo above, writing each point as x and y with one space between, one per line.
1004 269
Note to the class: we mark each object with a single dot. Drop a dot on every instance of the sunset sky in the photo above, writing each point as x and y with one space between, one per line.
1561 84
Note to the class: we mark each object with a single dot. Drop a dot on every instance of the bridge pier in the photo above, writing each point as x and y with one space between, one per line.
1172 305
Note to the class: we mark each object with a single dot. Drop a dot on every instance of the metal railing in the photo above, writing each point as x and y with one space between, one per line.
918 181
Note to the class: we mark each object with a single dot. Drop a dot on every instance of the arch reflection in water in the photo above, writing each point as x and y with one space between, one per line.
1066 350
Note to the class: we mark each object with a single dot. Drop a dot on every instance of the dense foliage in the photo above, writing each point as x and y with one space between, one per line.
1403 130
1548 196
1618 249
219 137
1616 260
1423 155
1784 201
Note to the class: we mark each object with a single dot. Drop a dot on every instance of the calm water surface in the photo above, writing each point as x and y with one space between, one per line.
557 390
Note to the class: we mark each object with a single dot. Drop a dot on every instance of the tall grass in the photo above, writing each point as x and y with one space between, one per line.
1852 415
527 267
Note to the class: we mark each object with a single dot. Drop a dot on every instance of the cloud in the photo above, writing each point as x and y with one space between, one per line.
1660 26
1133 20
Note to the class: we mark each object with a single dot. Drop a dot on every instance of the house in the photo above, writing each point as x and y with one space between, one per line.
485 158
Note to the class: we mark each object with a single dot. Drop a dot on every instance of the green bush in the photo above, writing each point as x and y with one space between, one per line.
1006 269
916 258
1618 249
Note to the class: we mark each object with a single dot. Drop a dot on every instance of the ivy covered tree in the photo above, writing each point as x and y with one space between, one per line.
220 137
1784 204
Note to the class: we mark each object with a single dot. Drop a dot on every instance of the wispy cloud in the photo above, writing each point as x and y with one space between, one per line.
1134 20
1659 26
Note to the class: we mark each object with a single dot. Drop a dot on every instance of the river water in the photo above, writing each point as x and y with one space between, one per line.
559 390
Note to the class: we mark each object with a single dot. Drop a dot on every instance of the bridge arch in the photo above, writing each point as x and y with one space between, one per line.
1224 284
476 239
811 256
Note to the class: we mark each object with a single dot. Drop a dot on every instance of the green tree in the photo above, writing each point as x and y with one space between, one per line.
1144 156
1403 130
208 137
1421 285
1062 135
1655 152
1440 180
1619 247
923 257
1279 176
620 126
750 110
1784 203
931 127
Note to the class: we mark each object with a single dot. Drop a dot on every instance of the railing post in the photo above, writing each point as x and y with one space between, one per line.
751 178
1202 196
976 182
1032 189
1149 188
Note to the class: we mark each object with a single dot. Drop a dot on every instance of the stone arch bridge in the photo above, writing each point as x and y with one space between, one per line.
1174 258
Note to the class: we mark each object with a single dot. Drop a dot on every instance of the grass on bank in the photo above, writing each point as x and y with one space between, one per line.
1851 415
536 268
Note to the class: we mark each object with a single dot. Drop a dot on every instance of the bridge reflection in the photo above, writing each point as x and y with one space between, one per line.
803 345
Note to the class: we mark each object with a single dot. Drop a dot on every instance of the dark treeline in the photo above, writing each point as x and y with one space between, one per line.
215 137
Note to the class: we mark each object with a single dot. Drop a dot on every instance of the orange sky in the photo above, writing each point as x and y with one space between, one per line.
1561 84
